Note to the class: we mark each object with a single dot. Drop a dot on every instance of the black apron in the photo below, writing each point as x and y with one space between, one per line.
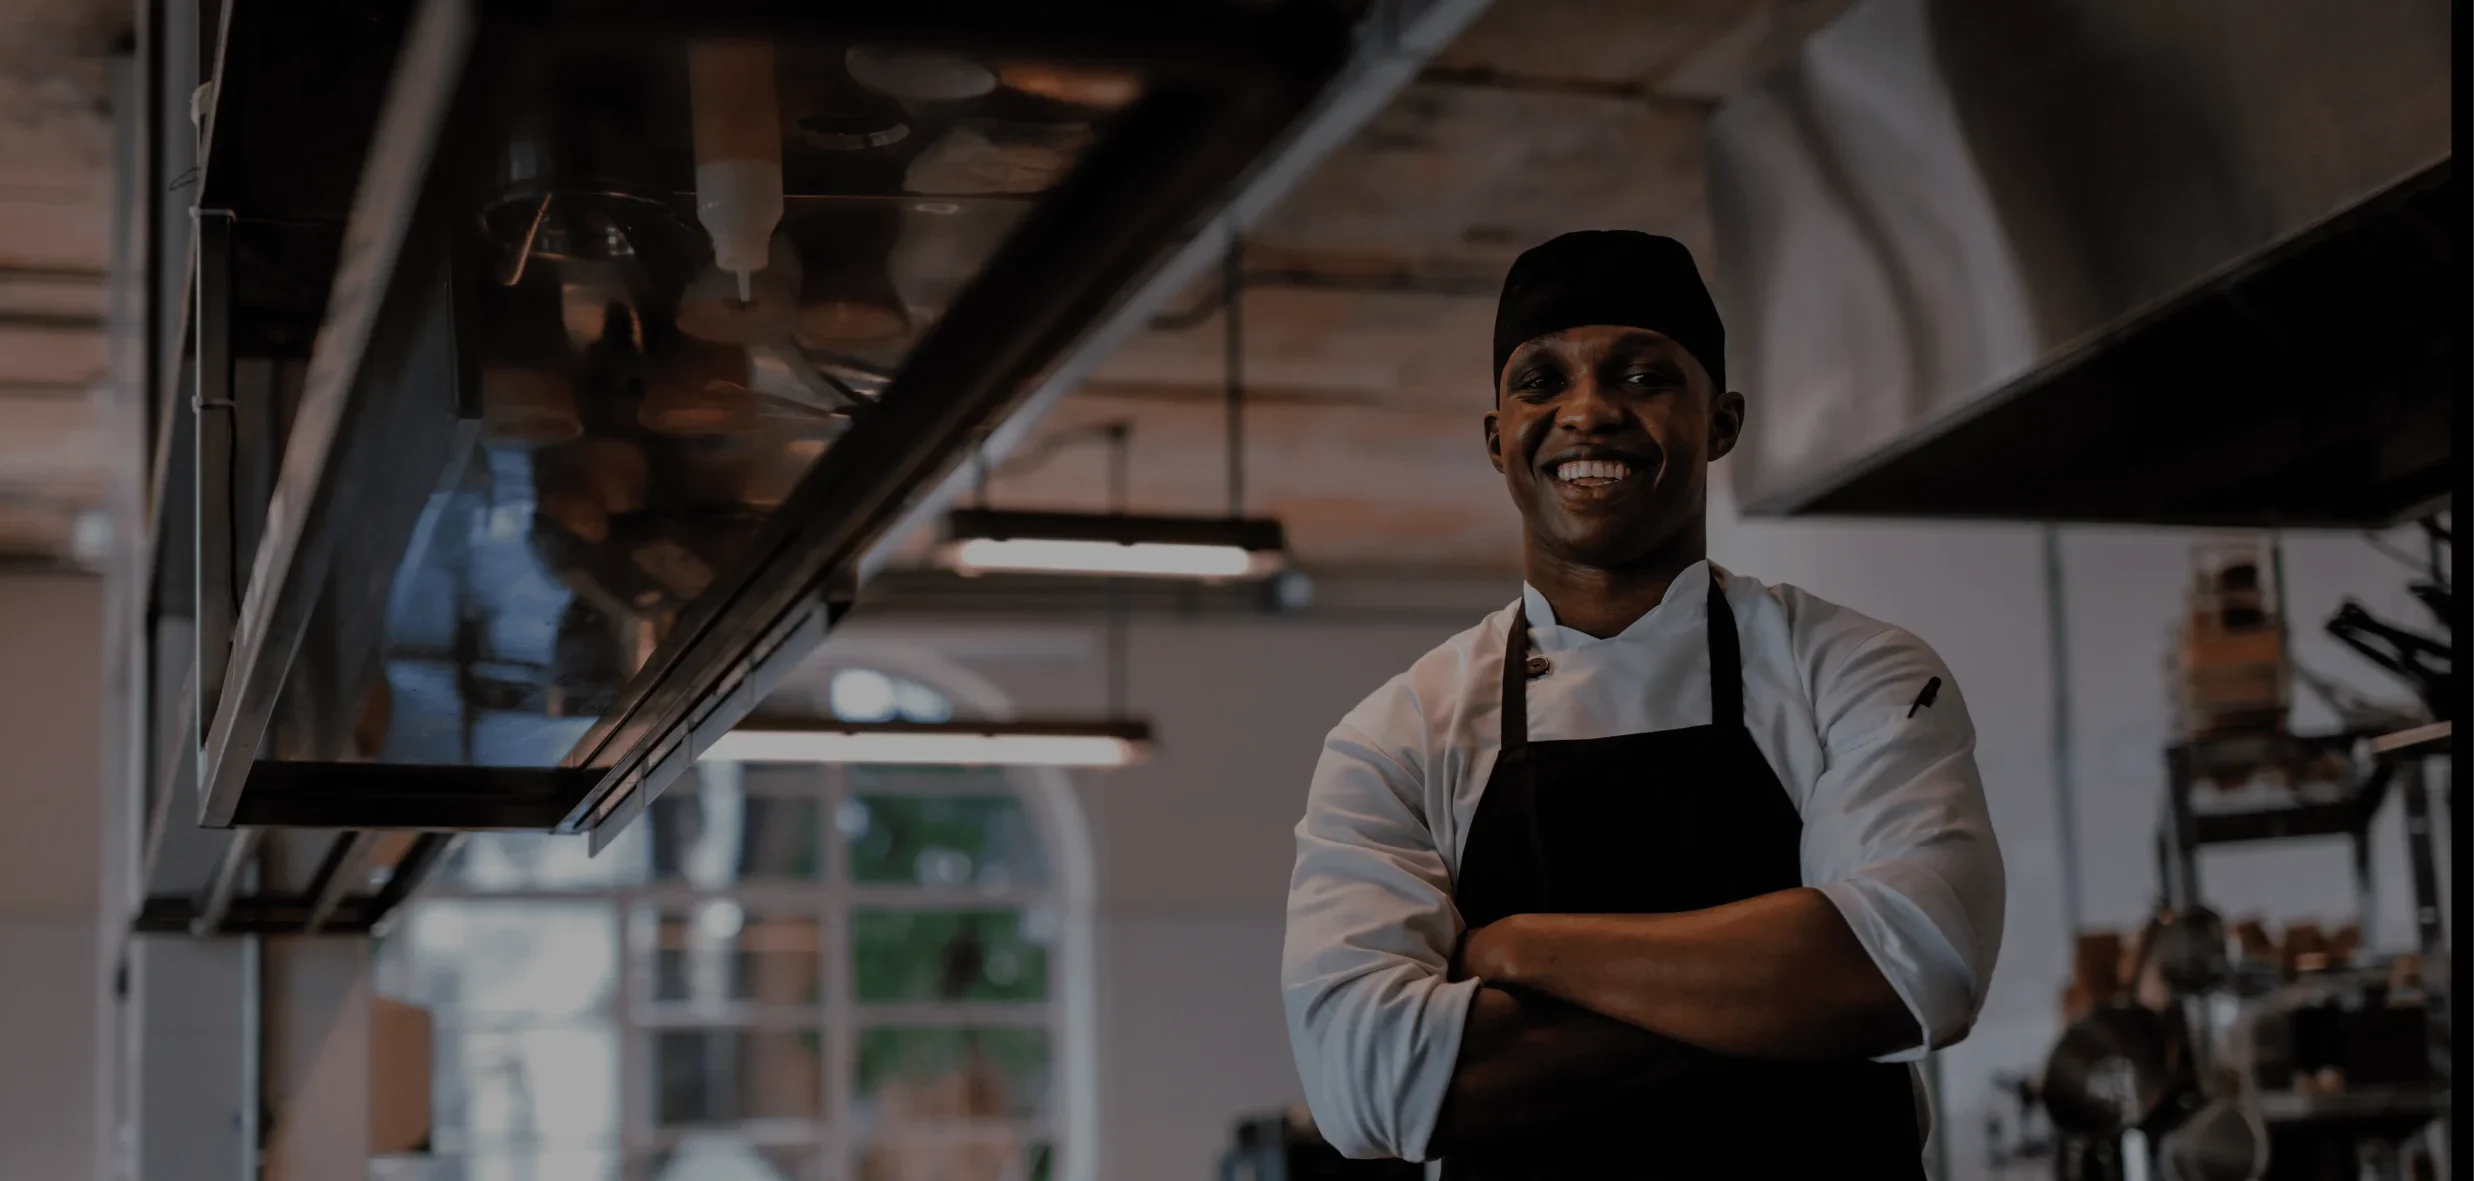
1669 821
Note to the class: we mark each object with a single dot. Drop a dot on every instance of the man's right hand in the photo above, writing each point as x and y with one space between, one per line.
1528 1061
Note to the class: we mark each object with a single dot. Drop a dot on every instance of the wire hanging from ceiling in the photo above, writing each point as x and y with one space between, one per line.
1232 304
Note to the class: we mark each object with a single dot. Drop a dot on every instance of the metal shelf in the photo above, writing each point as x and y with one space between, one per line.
2385 1104
2191 763
2395 763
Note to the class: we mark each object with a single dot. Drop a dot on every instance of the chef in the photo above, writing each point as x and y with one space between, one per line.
1661 871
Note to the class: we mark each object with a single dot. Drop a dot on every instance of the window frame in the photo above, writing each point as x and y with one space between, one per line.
834 1138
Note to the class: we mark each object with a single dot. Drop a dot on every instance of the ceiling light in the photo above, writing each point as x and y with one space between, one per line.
1216 549
944 744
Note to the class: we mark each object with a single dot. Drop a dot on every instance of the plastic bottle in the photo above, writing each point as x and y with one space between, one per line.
738 130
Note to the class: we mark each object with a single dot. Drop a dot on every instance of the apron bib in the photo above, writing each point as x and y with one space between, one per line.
1654 823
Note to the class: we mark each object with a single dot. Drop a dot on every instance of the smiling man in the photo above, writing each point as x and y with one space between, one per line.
1660 872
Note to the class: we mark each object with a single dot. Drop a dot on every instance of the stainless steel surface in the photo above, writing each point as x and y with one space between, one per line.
2111 1070
284 581
602 580
1942 198
2279 1107
2222 1141
1397 40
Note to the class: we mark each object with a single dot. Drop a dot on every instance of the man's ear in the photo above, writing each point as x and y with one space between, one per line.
1726 423
1494 440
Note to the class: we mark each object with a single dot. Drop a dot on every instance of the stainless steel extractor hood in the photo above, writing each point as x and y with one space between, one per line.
550 365
2187 261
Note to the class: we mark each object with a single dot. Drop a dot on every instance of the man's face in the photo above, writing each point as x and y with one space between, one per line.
1604 436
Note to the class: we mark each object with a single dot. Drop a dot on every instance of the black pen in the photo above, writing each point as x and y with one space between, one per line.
1932 689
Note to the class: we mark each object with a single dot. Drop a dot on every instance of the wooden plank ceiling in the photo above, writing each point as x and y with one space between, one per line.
57 455
1369 299
1367 306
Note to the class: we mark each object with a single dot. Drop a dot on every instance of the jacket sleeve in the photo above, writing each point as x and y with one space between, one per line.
1897 835
1371 928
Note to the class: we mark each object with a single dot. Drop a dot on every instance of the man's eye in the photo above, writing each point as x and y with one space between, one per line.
1538 381
1655 379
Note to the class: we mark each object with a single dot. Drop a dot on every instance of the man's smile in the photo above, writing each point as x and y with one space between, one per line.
1592 473
1594 470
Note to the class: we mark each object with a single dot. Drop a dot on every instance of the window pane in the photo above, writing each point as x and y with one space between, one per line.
866 695
722 1076
484 961
521 1092
782 779
487 861
567 1165
947 841
922 780
946 955
910 1075
980 1153
719 1156
715 953
714 838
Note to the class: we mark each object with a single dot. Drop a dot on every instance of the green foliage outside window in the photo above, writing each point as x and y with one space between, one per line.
945 955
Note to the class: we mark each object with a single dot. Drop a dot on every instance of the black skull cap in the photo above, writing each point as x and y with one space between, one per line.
1620 277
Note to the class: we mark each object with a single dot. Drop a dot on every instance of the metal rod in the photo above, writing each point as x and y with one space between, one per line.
166 784
2429 916
980 470
1120 610
411 873
2181 839
511 270
1119 437
215 515
216 900
335 876
1232 301
2065 770
1118 617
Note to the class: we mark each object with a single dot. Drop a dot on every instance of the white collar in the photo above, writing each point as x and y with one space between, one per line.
1686 605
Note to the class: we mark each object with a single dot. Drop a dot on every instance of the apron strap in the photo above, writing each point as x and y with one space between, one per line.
1515 700
1726 660
1515 753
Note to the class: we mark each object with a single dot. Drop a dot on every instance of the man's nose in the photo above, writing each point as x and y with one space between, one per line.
1588 408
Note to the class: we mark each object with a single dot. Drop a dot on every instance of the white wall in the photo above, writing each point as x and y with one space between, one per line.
52 982
1977 594
1194 847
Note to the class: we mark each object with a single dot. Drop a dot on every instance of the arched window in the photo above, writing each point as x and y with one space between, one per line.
781 973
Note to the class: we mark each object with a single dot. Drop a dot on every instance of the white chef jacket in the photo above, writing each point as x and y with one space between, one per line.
1895 828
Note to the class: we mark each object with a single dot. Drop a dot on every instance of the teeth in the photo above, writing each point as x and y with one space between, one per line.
1592 470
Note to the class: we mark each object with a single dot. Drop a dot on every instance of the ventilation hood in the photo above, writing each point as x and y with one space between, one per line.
547 367
2178 261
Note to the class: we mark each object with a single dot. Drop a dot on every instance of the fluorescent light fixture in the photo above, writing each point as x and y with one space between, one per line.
942 744
1213 549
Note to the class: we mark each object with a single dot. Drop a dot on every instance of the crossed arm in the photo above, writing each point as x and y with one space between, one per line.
1576 1010
1407 1049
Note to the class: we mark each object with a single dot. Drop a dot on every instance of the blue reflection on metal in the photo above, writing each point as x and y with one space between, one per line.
491 660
